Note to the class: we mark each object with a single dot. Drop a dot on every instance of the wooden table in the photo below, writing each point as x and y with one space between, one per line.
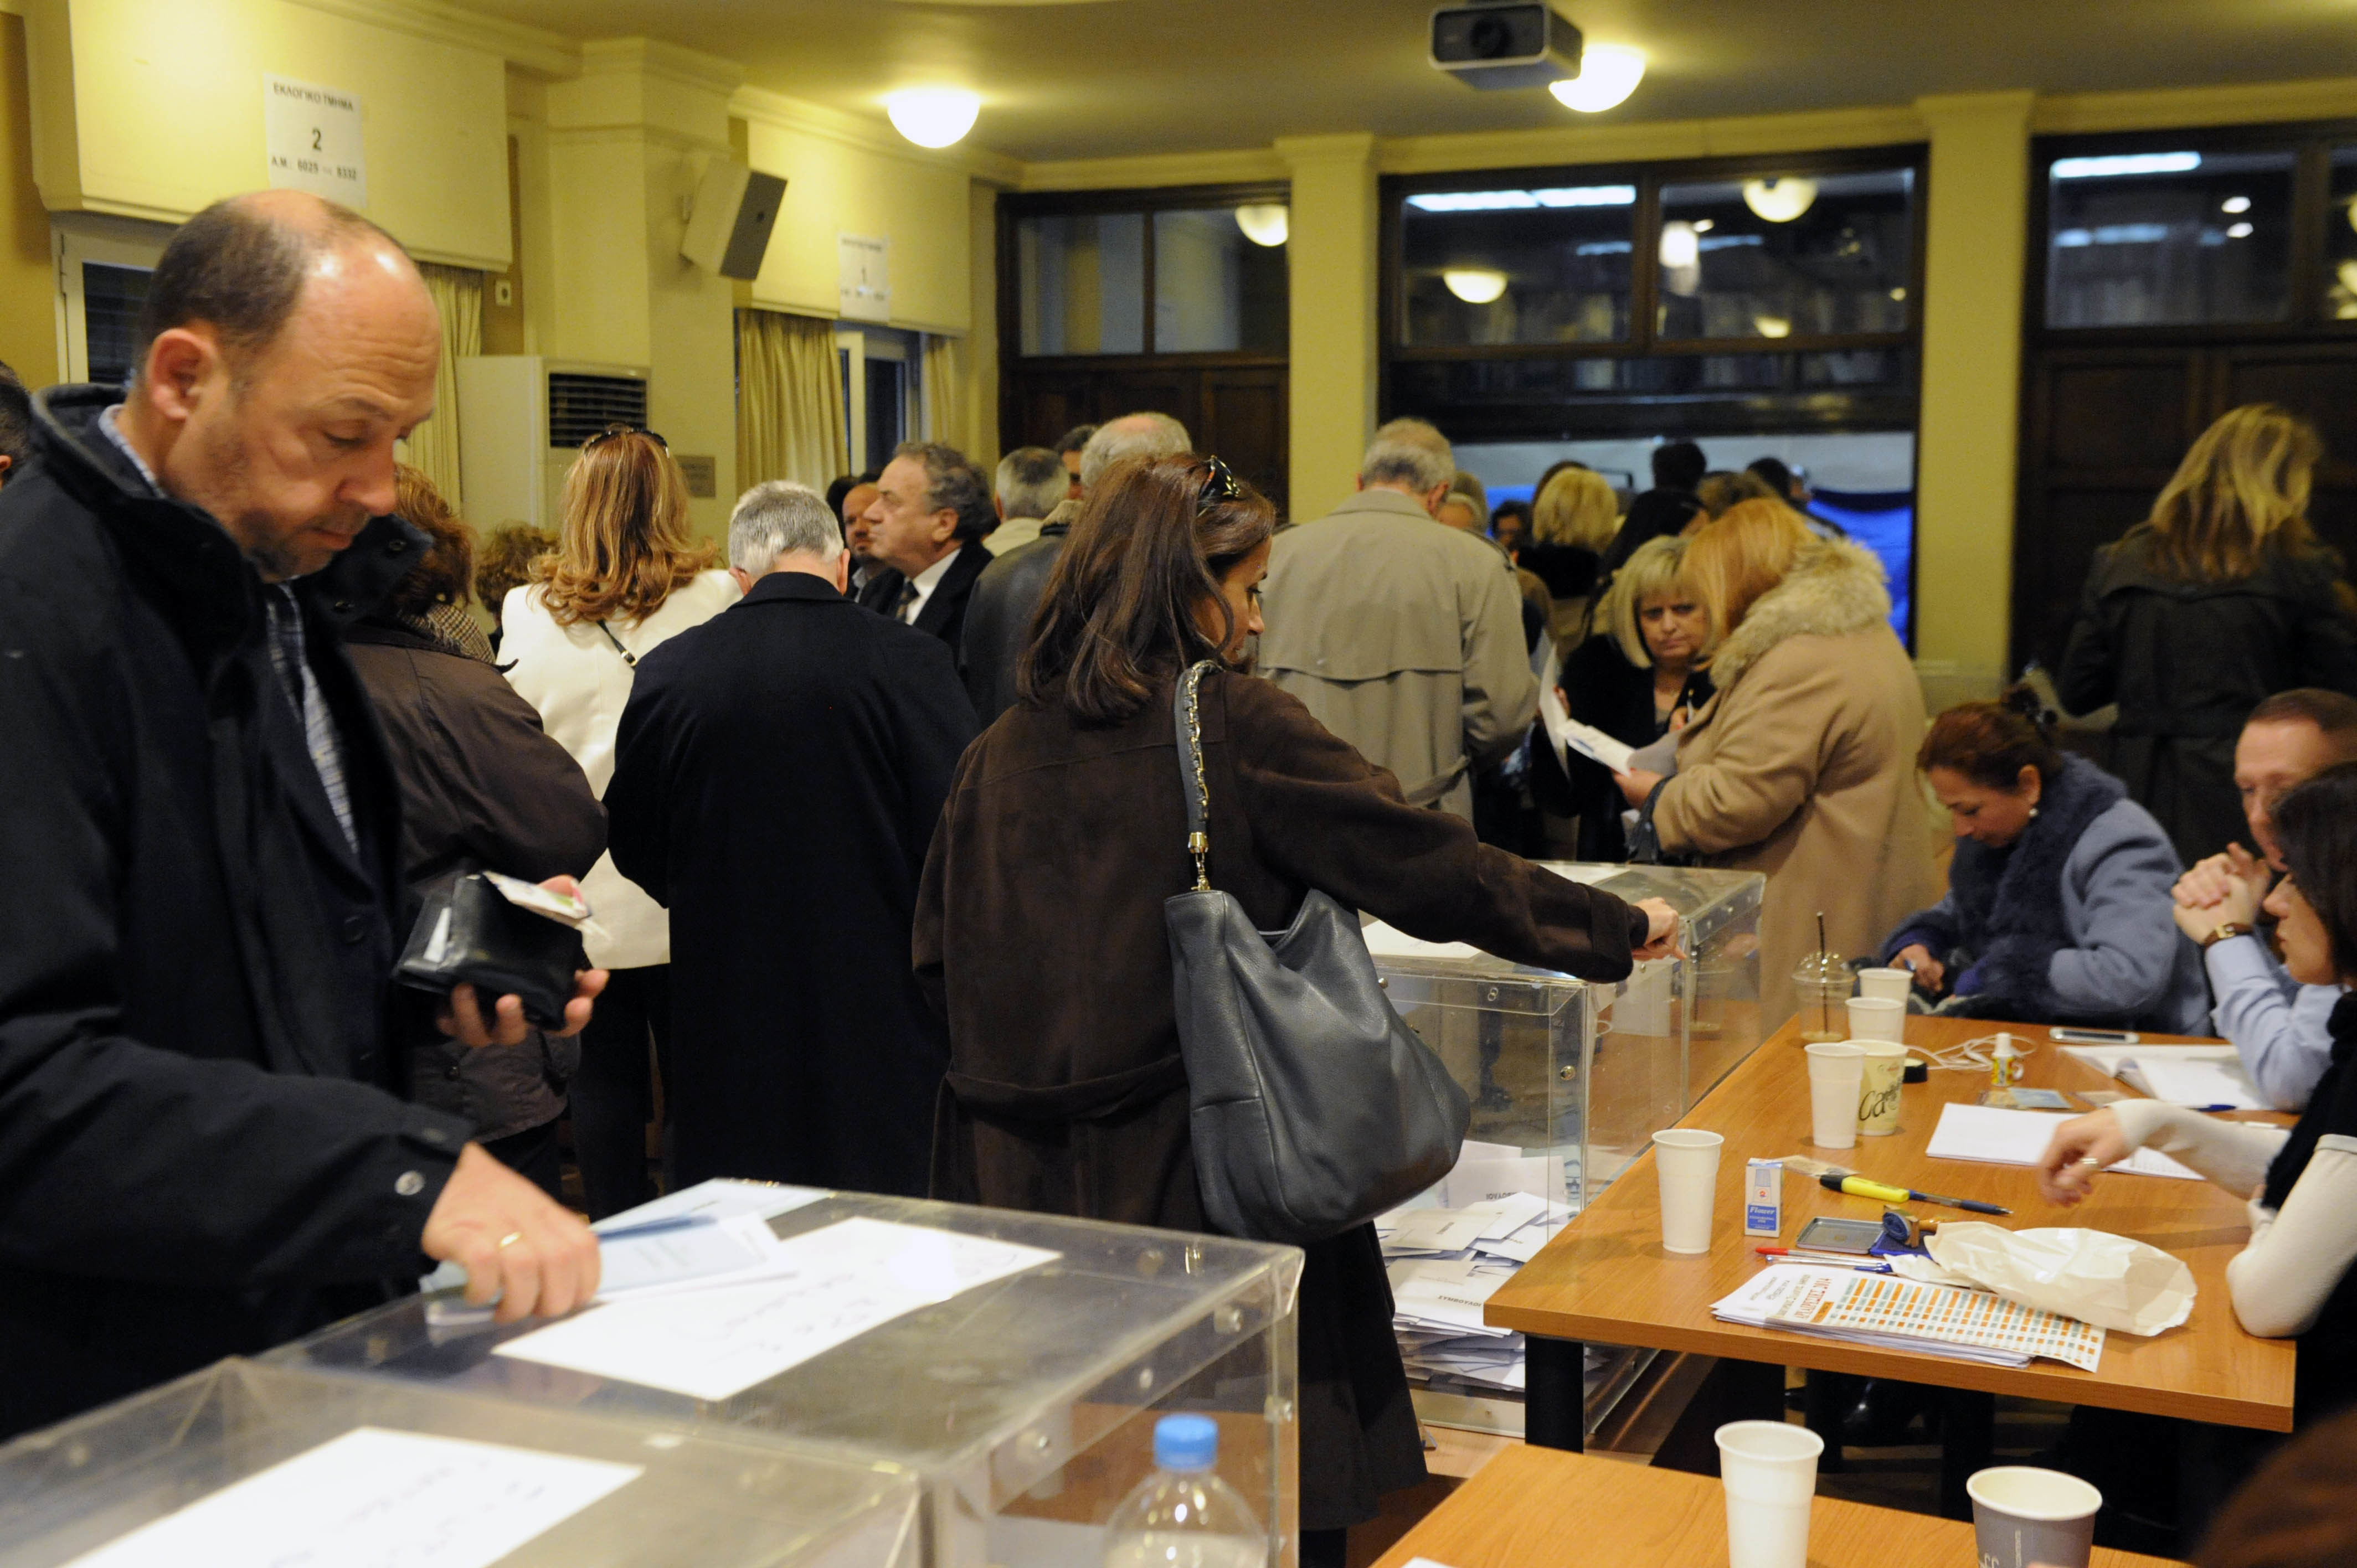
1532 1508
1606 1277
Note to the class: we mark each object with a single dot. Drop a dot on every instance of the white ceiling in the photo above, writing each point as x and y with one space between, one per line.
1066 78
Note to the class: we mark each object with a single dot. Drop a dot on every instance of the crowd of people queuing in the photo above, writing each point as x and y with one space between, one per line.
876 809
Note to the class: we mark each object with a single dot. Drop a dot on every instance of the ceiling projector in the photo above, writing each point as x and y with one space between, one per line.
1510 45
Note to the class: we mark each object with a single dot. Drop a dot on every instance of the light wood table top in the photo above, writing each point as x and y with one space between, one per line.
1538 1508
1606 1278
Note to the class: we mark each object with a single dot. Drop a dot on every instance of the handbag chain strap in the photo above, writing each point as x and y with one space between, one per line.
1198 838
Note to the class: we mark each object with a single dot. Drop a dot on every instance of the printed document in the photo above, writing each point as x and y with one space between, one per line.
823 1289
1904 1314
374 1499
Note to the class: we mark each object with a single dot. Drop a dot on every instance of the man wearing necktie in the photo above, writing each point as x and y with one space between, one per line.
927 522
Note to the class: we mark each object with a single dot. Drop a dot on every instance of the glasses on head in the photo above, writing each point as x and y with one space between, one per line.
1219 485
611 431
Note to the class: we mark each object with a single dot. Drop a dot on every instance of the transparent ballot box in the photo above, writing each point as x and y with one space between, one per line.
1016 1363
1569 1078
251 1463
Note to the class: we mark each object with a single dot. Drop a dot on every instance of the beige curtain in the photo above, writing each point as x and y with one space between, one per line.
433 445
790 420
945 390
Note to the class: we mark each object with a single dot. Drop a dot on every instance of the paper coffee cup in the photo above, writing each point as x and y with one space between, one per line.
1886 984
1685 1162
1836 1070
1876 1018
1877 1089
1769 1472
2023 1516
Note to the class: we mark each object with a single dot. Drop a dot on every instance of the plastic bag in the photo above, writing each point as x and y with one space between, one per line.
2092 1275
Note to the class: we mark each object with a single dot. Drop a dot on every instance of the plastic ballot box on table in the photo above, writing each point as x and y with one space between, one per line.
246 1463
1016 1363
1569 1078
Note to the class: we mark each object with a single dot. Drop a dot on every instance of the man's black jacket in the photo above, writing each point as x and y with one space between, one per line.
201 1151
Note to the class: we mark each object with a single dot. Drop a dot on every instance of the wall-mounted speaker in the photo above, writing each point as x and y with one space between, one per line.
729 226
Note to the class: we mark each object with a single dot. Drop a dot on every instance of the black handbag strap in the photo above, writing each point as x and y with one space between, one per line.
1187 721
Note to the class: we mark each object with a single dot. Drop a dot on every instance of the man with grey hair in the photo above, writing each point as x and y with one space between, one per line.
927 523
777 775
1032 482
1401 636
1006 596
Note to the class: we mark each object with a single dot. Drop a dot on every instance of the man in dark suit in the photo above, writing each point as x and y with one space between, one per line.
927 522
777 777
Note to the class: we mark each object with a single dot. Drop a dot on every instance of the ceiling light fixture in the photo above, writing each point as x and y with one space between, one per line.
1780 200
933 116
1705 225
1268 223
2125 163
1681 246
2238 230
1772 325
1475 285
1608 74
2236 204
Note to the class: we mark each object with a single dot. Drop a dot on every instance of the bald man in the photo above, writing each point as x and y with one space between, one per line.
202 1148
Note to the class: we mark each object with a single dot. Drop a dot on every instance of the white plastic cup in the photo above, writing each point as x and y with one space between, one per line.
1770 1471
2022 1515
1876 1018
1877 1089
1836 1073
1886 985
1686 1163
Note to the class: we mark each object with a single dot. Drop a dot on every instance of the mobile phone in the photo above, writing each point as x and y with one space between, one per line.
1828 1234
2093 1037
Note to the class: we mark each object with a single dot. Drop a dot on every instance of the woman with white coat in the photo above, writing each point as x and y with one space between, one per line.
625 577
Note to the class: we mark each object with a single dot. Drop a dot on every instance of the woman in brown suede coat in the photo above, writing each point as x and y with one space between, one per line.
1040 927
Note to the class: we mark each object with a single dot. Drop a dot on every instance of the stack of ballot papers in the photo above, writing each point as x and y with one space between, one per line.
1898 1314
1444 1263
1992 1136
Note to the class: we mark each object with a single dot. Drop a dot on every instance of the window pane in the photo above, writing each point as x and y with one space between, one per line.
2168 239
1083 282
2340 239
110 298
1800 256
1215 289
1543 265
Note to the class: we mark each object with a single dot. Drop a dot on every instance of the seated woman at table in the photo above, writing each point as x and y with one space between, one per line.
1798 767
2057 908
2294 1279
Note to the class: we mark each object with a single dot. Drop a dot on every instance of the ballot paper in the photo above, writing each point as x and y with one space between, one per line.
2207 1082
825 1288
722 1197
1991 1136
1892 1312
2109 1060
699 1253
1388 941
373 1498
1436 1230
1445 1262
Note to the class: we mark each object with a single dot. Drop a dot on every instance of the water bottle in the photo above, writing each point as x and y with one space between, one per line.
1183 1516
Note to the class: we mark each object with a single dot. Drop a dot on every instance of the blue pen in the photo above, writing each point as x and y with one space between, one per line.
2213 1108
655 1227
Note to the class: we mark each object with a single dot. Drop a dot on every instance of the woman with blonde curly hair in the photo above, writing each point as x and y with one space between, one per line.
627 575
2220 598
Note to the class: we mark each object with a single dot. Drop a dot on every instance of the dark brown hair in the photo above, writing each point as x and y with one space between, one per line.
1118 619
2317 825
2333 714
1991 743
2298 1510
446 575
504 562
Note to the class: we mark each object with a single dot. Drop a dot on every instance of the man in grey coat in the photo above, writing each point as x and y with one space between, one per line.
1401 636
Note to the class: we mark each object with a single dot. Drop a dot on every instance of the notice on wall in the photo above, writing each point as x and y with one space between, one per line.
313 135
865 285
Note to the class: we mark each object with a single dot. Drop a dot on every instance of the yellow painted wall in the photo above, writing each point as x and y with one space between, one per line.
1332 251
842 178
154 108
28 339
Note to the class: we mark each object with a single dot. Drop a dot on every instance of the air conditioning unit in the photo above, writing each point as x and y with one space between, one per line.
522 420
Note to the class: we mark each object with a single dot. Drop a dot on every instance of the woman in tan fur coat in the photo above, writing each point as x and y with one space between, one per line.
1802 767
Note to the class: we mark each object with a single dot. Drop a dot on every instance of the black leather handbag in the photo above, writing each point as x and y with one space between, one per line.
1312 1106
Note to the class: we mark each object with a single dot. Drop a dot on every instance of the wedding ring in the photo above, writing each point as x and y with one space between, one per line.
512 1237
2091 1163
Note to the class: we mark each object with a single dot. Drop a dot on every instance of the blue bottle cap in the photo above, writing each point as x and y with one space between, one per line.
1185 1442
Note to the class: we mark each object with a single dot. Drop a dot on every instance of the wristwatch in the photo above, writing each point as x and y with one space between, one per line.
2230 929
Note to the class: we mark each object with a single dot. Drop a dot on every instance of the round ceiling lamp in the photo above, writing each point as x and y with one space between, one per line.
1268 223
1681 245
1772 325
1780 200
933 116
1475 285
1608 74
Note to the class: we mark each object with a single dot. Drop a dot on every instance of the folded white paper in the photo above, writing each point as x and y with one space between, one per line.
722 1197
824 1289
373 1498
1991 1136
2204 1081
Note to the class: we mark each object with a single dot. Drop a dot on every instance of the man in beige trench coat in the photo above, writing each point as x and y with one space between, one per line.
1405 637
